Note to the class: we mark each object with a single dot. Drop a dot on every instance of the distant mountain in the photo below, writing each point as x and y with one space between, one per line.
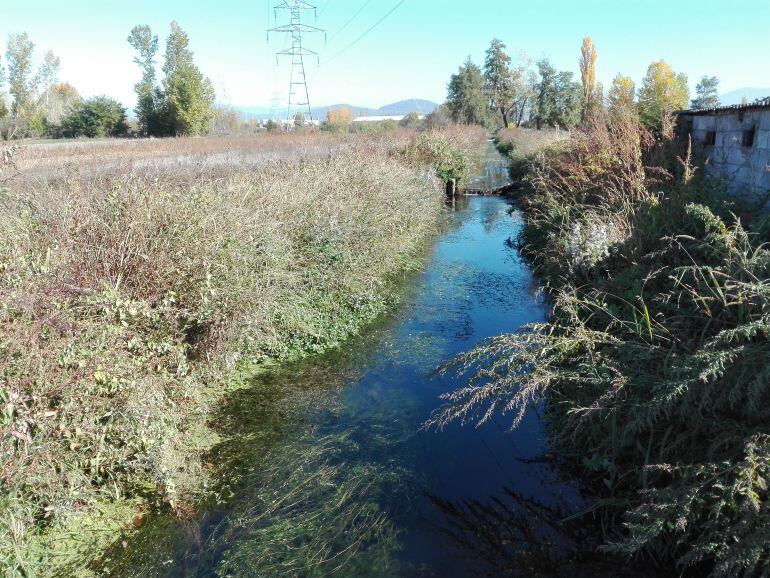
404 107
400 108
736 96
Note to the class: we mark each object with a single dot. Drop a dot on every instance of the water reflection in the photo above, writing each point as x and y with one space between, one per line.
512 535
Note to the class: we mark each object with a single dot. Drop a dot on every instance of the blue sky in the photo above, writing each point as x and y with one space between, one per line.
411 54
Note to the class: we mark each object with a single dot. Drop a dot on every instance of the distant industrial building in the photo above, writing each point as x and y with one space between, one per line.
397 118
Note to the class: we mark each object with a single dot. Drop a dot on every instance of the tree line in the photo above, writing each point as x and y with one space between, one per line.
503 92
35 103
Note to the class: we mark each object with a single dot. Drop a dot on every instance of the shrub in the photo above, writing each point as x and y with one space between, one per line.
454 153
339 119
100 116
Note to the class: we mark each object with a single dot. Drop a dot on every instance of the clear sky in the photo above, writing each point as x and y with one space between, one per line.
410 55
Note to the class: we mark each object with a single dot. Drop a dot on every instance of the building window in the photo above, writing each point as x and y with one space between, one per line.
710 139
748 137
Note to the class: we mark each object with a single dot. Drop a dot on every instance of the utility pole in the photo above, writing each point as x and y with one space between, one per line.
299 95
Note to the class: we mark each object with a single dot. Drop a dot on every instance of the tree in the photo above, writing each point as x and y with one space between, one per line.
411 121
524 81
189 95
566 110
20 79
3 105
48 74
439 118
145 43
299 120
557 97
545 93
272 126
588 96
466 100
100 116
339 119
622 93
498 79
662 92
707 93
63 100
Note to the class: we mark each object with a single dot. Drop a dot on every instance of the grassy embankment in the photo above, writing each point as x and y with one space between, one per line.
139 281
654 368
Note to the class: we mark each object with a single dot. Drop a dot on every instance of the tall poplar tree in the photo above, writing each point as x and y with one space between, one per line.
189 95
588 96
146 45
20 78
3 105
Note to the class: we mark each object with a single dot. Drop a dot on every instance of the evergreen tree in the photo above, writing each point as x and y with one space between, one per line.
498 79
557 97
146 45
663 91
545 93
466 100
189 95
707 93
566 110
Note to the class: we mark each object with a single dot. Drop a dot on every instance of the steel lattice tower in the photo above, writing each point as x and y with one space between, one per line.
299 95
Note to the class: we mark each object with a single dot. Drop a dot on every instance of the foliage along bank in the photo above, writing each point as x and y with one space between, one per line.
654 367
129 301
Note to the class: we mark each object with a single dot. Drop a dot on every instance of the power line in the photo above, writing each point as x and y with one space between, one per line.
360 38
350 21
325 6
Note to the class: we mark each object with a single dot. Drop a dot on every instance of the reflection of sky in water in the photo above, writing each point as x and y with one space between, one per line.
475 286
495 173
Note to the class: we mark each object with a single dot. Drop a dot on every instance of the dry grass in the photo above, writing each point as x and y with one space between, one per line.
524 142
136 275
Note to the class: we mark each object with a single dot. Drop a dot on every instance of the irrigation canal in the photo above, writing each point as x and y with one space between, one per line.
331 473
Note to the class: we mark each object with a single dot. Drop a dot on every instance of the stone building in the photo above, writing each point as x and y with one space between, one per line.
735 141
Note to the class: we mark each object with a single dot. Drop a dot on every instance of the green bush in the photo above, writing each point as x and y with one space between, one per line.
454 153
100 116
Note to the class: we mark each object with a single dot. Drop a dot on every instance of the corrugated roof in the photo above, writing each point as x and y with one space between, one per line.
761 104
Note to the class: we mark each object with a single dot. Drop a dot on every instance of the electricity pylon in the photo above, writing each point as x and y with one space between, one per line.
299 95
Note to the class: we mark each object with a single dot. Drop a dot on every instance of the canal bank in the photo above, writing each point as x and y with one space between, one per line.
328 470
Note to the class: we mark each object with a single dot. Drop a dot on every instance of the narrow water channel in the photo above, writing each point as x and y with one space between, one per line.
330 473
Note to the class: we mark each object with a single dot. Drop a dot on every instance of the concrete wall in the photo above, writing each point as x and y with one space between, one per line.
744 169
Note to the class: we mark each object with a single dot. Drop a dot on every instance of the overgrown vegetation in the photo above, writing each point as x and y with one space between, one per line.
453 152
654 368
129 295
